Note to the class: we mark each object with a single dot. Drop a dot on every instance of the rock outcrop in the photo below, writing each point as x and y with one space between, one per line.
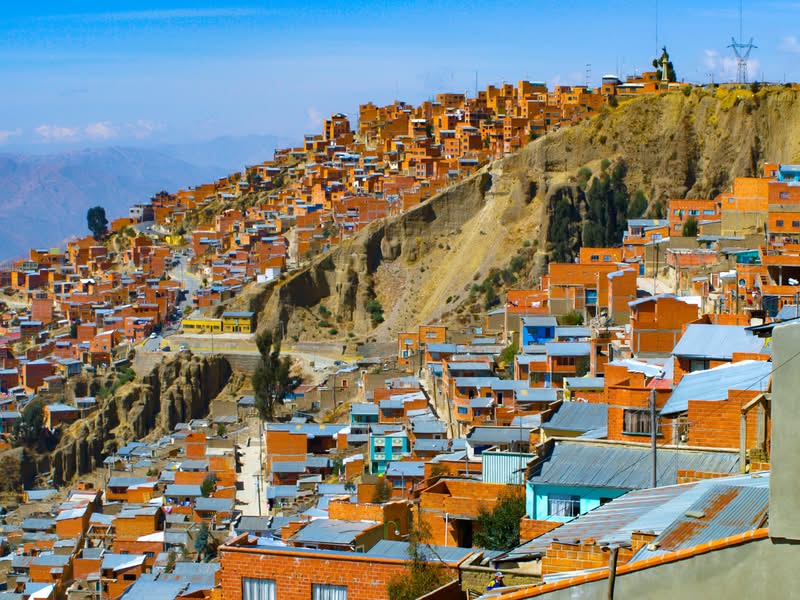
178 389
421 265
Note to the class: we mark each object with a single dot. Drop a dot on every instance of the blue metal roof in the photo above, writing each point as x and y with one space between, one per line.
406 468
578 416
788 312
573 332
365 408
716 342
585 382
568 348
616 466
424 445
539 322
713 384
468 366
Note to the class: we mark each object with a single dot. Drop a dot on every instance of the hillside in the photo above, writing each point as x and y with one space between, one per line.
45 198
421 266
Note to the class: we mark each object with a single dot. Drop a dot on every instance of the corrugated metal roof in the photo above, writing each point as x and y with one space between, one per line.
467 366
568 348
726 510
585 382
366 408
481 436
578 416
713 384
651 510
424 445
596 464
406 468
539 322
505 467
331 531
570 331
399 550
716 342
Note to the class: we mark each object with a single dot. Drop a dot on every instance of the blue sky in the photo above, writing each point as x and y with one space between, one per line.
100 73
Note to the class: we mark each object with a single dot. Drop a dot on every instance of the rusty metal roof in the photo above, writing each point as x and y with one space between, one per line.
723 511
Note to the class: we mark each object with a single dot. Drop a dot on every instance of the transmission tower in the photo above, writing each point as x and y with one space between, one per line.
742 51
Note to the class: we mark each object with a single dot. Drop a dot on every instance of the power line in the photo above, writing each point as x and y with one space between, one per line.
747 389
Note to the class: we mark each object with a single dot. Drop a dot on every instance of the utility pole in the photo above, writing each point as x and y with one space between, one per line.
653 450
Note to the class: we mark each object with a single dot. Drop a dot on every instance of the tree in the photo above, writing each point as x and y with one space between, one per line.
573 318
271 378
29 427
97 222
499 527
425 571
658 63
638 205
201 542
383 493
508 354
690 228
208 485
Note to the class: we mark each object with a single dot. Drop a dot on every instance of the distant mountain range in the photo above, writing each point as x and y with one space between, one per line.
45 197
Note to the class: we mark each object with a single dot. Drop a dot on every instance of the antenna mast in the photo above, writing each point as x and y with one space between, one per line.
742 51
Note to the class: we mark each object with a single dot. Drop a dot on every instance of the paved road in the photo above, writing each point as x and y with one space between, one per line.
189 281
646 284
153 344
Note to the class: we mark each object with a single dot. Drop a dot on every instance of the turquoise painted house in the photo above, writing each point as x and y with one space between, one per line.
573 477
386 447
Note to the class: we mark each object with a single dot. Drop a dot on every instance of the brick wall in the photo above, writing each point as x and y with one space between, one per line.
587 554
530 529
685 476
716 424
294 573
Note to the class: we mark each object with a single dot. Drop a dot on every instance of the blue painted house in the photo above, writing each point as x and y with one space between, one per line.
538 330
573 477
386 447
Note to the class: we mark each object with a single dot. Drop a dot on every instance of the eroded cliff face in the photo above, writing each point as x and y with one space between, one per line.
177 390
421 265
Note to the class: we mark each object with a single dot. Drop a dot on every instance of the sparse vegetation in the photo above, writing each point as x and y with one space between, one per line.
499 528
270 380
573 317
690 227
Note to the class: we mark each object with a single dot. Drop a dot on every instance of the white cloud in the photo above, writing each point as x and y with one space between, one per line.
315 118
726 67
102 130
7 134
57 133
97 131
142 129
790 44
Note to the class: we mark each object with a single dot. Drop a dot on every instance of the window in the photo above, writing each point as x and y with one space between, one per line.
258 589
795 224
784 195
636 421
595 257
607 258
323 591
779 223
462 410
708 212
698 364
563 505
